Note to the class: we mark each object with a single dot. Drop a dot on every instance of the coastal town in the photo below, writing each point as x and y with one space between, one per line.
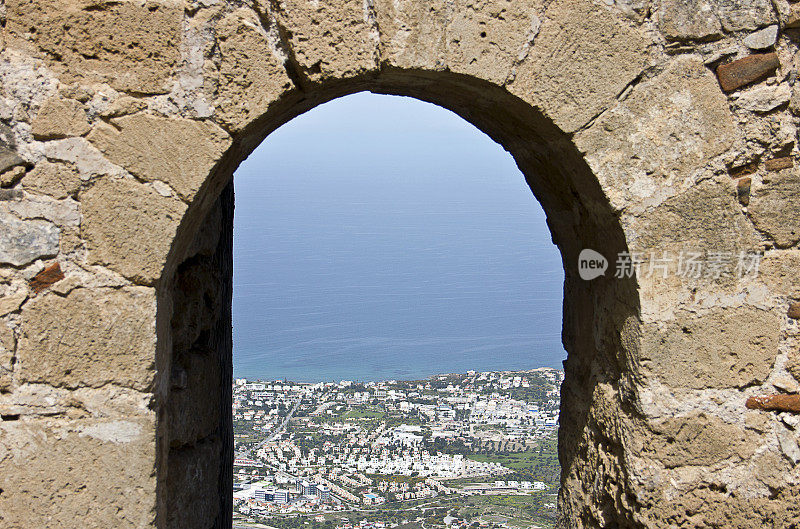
457 450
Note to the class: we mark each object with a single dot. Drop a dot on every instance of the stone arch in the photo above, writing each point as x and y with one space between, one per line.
123 125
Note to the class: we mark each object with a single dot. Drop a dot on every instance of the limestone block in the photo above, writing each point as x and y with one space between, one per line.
699 439
485 39
78 474
129 227
24 241
730 347
778 269
764 98
581 60
11 302
739 15
647 148
762 39
7 347
704 219
53 179
90 338
689 20
332 39
59 118
133 46
251 76
772 211
180 152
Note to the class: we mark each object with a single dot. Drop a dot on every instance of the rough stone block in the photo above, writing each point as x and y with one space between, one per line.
732 347
133 46
762 39
741 15
699 440
56 180
180 152
333 39
129 227
746 70
24 241
770 208
78 474
59 118
581 60
252 76
90 338
778 270
689 20
646 148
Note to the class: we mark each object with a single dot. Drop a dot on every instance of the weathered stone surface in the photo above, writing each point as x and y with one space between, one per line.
180 152
762 39
252 76
90 338
778 269
59 118
769 212
739 15
488 39
645 149
56 180
792 20
699 439
132 46
689 20
580 61
129 227
86 473
764 98
732 347
24 241
337 38
744 71
794 311
49 276
11 303
12 176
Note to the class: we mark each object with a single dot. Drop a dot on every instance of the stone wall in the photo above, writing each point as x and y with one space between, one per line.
642 126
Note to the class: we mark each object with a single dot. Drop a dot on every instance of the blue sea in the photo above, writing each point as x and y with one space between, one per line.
380 237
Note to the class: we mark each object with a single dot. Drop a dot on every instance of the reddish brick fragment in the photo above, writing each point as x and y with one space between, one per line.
50 275
746 70
776 164
775 403
743 190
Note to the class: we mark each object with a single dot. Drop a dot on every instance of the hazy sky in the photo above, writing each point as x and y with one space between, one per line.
383 237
